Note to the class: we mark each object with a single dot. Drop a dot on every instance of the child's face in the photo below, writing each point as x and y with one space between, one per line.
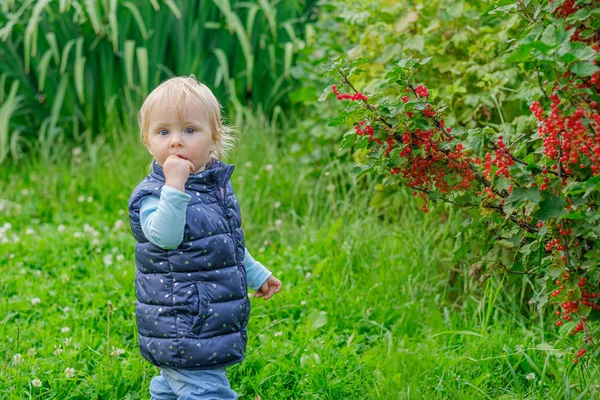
189 136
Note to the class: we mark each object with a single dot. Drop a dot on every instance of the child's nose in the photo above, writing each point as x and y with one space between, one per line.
176 140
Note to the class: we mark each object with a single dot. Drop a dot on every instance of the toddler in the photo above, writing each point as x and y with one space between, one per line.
192 267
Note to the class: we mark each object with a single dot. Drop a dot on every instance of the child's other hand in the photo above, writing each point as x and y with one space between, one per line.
269 288
177 170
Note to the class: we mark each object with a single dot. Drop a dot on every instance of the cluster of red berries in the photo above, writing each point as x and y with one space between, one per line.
501 159
585 299
429 112
354 97
427 166
369 130
390 145
566 9
571 307
556 293
568 136
422 91
550 245
580 354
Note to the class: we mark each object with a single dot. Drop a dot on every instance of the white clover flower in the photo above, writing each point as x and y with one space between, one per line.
78 234
17 358
36 383
57 350
278 223
25 192
67 341
81 199
117 352
120 257
29 231
530 376
278 334
121 212
108 260
330 188
269 167
248 164
303 303
308 275
326 173
76 151
61 228
277 204
31 352
90 199
65 329
119 224
69 372
35 301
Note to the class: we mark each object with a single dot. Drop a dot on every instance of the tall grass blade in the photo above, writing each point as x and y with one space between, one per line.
58 101
173 8
65 55
114 25
6 111
289 53
129 49
271 15
138 19
92 12
142 59
79 70
30 43
43 69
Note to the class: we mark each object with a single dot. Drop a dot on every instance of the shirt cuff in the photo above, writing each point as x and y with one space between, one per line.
256 273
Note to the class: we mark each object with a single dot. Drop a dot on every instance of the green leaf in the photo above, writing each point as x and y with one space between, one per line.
359 61
551 207
337 121
317 319
348 141
519 196
584 68
326 92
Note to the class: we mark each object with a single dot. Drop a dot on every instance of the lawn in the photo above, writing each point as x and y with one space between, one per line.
372 306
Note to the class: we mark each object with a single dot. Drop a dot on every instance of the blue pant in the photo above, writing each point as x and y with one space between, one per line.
180 384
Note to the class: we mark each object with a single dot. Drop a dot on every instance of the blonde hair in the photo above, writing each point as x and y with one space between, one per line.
181 91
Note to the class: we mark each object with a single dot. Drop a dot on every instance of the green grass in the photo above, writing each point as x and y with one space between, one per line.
372 306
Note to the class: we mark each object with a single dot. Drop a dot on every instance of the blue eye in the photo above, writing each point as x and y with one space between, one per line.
190 130
163 132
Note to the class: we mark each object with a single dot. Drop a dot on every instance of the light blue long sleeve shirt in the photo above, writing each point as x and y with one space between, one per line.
163 222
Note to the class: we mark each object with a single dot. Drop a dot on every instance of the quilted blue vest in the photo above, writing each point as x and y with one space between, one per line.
192 303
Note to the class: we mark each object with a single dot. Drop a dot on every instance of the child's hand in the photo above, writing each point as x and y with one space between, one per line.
177 170
269 288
